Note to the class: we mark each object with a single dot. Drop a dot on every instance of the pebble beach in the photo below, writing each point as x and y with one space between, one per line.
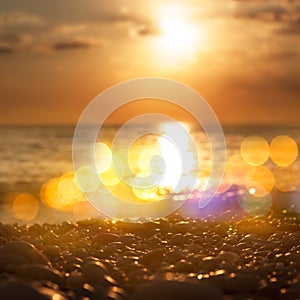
172 258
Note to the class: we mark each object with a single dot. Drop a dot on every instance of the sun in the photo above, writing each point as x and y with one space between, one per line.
180 38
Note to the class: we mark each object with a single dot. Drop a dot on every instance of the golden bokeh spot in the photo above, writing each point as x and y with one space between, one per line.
25 207
114 174
259 181
87 179
286 178
102 156
237 169
67 190
283 150
124 192
255 150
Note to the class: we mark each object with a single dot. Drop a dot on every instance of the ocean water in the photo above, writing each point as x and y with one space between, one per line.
32 155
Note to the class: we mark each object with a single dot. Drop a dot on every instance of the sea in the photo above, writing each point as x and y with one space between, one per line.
32 155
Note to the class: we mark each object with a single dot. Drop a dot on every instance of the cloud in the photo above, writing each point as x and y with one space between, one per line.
269 11
6 50
70 45
289 29
19 18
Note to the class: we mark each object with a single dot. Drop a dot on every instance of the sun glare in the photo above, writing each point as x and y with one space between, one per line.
180 37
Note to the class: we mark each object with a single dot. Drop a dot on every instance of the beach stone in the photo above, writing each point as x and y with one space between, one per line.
156 255
127 239
94 272
183 266
105 238
75 281
10 259
181 227
178 239
18 247
38 272
79 253
52 250
172 290
17 290
8 231
36 257
229 257
27 250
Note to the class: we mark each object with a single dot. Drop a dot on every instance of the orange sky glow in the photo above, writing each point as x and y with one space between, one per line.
243 57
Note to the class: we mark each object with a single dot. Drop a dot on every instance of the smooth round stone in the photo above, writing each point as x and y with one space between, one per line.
209 263
79 253
35 256
10 259
17 290
52 250
38 272
70 236
27 250
50 238
194 248
110 250
183 266
156 255
229 257
105 238
94 272
18 247
181 227
178 239
173 256
75 281
172 290
8 231
126 239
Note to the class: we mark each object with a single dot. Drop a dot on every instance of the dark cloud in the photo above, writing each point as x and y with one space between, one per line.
260 11
6 50
70 45
289 29
269 11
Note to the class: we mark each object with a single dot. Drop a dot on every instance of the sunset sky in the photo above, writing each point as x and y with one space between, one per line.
242 56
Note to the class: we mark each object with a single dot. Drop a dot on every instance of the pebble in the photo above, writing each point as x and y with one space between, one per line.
173 258
94 272
37 272
52 250
27 250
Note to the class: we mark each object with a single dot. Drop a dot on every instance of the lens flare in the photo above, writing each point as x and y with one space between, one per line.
114 174
287 178
87 179
102 157
255 150
283 150
25 207
237 169
255 206
259 181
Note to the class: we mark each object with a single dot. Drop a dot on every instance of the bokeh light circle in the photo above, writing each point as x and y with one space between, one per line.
255 206
255 150
259 181
283 150
91 121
